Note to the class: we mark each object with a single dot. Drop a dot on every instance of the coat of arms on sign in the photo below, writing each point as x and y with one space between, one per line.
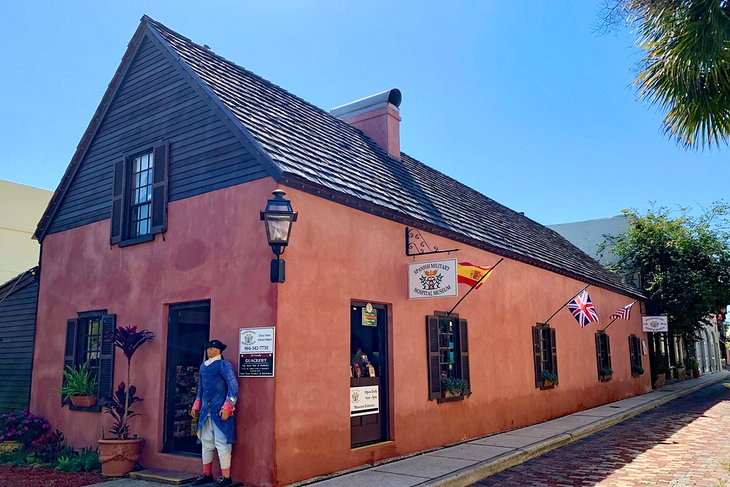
431 279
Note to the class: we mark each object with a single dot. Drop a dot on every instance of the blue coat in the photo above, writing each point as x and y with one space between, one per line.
217 382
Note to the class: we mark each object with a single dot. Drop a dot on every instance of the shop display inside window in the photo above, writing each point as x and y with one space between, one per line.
186 388
360 363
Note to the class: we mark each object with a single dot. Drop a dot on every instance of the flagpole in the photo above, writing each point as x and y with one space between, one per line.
611 323
474 286
566 304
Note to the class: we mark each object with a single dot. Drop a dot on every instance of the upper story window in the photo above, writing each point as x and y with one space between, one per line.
139 197
546 356
448 352
141 201
89 341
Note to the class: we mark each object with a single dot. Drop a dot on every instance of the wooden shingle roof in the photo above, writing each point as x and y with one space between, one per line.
310 149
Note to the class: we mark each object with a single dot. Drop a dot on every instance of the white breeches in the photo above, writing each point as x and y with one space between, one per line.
213 439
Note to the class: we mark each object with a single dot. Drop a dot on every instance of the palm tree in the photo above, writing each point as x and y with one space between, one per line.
686 70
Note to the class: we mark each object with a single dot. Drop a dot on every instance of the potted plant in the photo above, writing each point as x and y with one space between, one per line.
637 370
681 371
659 367
694 366
79 386
606 374
20 427
549 379
453 387
118 455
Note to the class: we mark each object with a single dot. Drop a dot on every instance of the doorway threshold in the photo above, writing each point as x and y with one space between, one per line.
371 445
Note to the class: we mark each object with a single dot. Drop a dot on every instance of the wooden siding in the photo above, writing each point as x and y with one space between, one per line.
155 102
17 333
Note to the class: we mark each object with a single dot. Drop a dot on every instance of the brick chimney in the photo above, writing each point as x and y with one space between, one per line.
378 117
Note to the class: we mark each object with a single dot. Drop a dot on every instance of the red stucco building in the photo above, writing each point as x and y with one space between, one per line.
156 224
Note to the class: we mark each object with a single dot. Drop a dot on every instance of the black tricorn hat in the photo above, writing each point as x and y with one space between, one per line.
216 344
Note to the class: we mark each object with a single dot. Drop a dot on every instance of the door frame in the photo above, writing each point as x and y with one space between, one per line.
385 375
169 392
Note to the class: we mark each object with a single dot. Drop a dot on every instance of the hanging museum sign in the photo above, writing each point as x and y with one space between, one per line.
435 279
654 323
364 400
256 352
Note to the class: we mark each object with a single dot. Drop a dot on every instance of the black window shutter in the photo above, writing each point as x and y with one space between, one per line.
632 358
598 353
607 358
536 347
434 372
106 359
69 354
464 351
159 188
117 223
553 350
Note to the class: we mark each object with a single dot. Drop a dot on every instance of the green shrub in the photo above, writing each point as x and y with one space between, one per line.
86 460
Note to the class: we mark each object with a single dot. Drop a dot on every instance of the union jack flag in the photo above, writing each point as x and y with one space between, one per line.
623 313
582 309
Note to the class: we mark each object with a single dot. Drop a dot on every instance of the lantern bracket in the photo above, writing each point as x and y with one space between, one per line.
417 245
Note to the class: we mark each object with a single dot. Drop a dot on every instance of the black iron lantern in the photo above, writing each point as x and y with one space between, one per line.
278 218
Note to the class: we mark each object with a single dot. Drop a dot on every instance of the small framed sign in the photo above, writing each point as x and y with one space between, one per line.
436 279
256 352
369 315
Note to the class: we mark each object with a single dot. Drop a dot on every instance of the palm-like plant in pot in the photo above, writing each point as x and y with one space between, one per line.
119 454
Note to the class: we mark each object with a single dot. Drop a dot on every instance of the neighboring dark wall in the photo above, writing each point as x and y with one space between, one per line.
17 332
154 103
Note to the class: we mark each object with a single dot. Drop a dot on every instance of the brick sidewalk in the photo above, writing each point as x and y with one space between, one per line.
682 443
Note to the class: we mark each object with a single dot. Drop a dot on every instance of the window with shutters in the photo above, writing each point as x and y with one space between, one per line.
139 196
546 356
637 368
89 341
448 354
603 356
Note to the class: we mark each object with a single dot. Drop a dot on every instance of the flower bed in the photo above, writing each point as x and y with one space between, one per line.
46 477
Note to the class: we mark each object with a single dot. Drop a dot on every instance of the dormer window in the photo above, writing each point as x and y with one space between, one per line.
139 196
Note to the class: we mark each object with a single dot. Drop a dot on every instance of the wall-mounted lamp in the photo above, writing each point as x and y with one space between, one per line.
278 218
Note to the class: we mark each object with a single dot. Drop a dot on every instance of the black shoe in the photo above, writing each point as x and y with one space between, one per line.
203 479
223 482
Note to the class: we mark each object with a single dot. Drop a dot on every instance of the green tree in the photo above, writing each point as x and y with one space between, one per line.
683 263
686 67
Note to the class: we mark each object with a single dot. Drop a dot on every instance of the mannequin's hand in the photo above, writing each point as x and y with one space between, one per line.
224 415
194 413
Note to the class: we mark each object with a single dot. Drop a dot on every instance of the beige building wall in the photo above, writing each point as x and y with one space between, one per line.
21 207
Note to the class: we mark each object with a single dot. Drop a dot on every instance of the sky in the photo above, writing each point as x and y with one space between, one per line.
525 102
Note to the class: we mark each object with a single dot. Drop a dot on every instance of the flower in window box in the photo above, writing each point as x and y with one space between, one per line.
453 387
549 379
606 374
637 370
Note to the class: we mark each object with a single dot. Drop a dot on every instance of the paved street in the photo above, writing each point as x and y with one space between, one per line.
685 442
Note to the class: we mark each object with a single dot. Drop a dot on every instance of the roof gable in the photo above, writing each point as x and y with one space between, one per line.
319 152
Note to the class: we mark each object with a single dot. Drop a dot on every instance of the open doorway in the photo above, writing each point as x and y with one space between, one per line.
188 330
368 373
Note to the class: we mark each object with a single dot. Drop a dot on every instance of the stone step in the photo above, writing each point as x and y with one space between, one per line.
169 477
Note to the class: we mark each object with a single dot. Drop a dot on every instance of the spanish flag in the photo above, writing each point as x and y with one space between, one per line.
470 274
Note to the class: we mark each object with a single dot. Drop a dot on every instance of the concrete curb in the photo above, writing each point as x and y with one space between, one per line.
475 473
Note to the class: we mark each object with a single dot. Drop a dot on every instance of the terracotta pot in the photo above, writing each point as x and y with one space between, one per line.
118 457
446 394
681 373
10 446
696 374
660 380
547 384
83 401
605 378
